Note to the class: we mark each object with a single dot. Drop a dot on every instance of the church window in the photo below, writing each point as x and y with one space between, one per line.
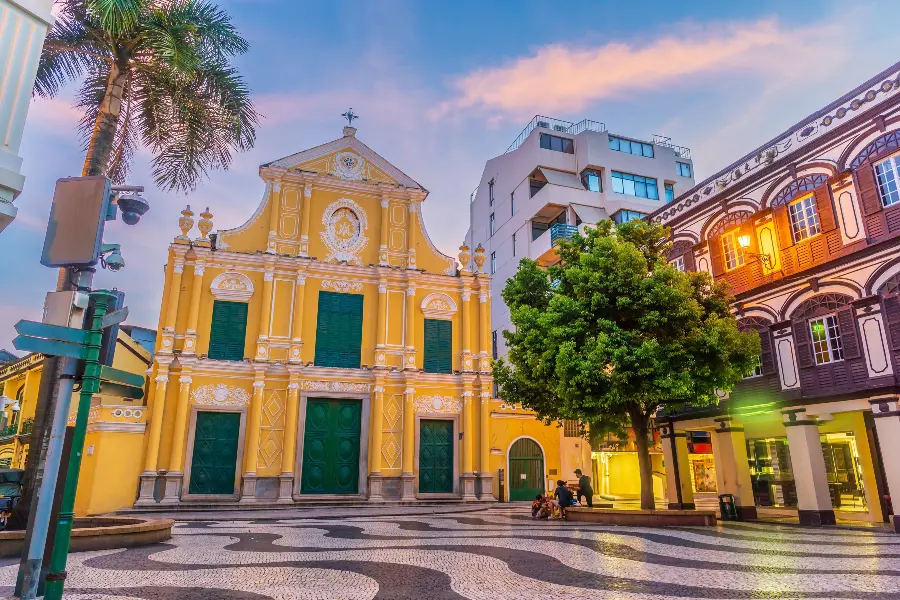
339 330
228 330
438 346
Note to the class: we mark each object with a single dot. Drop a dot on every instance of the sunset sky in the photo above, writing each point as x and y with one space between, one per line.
441 87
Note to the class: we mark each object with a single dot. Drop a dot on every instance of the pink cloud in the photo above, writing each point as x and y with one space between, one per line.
559 78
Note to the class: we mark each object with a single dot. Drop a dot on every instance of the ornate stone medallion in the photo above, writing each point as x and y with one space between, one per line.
345 224
348 166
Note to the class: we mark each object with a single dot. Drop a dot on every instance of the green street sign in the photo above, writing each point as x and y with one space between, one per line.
51 347
108 388
51 332
124 377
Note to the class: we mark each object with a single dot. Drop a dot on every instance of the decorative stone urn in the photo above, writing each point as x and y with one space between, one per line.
479 258
205 225
186 222
465 257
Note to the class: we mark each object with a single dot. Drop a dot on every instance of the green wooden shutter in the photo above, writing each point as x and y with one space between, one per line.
228 330
339 330
438 346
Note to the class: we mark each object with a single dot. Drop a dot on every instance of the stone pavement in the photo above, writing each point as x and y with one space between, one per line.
496 554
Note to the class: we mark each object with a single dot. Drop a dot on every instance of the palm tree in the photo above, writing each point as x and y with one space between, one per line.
157 73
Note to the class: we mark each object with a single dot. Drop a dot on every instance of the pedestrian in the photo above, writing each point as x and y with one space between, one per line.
541 507
584 488
563 498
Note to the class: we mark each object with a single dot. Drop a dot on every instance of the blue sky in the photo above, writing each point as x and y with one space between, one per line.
443 86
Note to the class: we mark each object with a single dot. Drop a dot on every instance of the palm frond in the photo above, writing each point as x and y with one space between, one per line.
117 16
125 145
70 51
89 98
214 32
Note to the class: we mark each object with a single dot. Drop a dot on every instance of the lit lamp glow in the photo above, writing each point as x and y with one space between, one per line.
744 242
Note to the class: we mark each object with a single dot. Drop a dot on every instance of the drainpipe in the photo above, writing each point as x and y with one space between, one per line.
675 462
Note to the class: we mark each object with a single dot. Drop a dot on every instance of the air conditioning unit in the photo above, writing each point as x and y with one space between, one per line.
543 124
560 128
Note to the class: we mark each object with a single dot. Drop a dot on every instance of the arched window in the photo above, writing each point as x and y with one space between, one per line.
824 330
766 364
886 143
799 187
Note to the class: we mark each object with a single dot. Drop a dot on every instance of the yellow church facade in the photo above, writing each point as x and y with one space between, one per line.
323 350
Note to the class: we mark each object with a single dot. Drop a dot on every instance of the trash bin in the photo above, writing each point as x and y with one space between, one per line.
727 507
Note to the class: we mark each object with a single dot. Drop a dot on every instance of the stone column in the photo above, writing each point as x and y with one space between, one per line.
167 345
409 356
484 329
385 221
886 410
678 470
304 220
485 476
289 446
190 334
808 465
175 472
408 478
251 440
412 227
466 322
274 215
265 315
375 438
23 27
467 476
154 433
296 352
732 467
381 326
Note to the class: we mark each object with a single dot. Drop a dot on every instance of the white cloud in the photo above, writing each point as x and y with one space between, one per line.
561 78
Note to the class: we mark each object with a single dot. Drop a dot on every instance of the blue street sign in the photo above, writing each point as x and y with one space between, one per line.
51 332
51 347
123 377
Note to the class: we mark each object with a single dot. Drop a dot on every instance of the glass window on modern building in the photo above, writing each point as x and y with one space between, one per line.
494 344
557 144
493 262
491 192
683 169
623 216
512 203
514 244
886 172
670 192
590 179
826 339
630 146
804 218
492 223
734 254
635 185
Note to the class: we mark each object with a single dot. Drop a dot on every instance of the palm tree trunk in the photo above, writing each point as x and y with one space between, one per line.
641 425
104 135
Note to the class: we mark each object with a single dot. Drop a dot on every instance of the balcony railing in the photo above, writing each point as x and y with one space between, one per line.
680 151
561 231
9 431
551 125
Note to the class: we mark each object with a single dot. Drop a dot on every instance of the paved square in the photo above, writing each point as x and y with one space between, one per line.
497 554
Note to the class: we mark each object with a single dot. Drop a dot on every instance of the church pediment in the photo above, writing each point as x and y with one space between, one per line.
349 159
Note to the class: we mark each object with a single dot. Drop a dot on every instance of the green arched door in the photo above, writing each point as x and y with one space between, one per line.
526 470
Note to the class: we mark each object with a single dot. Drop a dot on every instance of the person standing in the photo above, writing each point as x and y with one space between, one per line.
584 488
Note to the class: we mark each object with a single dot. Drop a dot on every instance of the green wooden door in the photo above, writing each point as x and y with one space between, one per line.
331 446
215 453
438 346
228 330
435 457
526 470
339 330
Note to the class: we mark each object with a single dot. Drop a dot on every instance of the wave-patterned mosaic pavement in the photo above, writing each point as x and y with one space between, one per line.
497 554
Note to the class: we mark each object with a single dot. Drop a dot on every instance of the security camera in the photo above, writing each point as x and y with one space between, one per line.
111 257
133 207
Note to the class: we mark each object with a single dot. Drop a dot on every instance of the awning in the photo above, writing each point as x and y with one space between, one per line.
560 178
590 214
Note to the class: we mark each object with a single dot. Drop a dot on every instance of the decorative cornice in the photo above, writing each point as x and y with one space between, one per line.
220 395
343 287
336 386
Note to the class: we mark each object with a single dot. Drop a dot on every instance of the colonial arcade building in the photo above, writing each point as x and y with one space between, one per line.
323 350
806 230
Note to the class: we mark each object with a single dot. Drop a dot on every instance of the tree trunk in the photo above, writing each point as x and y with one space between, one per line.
104 135
641 425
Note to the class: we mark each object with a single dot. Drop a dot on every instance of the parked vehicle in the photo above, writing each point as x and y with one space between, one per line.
10 492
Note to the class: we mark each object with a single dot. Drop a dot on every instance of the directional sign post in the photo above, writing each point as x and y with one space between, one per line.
51 339
123 384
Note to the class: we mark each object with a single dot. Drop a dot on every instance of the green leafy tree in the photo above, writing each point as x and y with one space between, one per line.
153 72
613 332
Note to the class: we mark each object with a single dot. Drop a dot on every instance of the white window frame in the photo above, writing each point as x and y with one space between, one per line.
829 349
757 368
732 253
678 263
889 186
493 262
803 217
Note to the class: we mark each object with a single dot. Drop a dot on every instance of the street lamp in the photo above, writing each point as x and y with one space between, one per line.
744 242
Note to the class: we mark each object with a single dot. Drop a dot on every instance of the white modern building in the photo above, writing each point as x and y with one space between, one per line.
23 26
557 177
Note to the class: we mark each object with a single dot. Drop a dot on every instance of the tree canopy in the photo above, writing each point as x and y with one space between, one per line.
155 73
613 332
